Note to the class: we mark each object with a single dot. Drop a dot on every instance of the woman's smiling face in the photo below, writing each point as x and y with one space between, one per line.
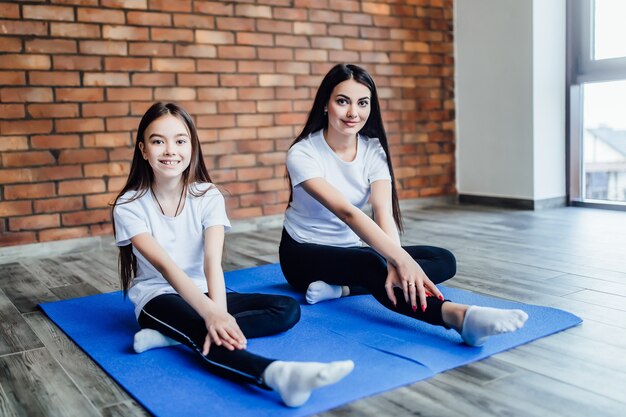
348 108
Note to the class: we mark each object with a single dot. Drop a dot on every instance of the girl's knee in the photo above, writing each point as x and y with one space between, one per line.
288 312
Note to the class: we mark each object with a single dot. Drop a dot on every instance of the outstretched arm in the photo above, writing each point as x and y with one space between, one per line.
371 233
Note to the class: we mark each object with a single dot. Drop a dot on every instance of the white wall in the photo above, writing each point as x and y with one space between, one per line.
510 98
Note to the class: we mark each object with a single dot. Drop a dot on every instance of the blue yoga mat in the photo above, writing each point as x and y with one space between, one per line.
389 350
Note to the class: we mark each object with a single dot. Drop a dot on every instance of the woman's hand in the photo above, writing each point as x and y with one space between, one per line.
223 330
414 283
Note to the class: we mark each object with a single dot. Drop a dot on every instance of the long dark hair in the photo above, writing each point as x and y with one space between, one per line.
373 128
141 177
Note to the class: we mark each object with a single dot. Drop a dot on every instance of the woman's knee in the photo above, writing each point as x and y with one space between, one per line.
288 312
448 262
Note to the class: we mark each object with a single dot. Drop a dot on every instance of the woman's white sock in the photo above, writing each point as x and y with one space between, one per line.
321 291
146 339
294 381
482 322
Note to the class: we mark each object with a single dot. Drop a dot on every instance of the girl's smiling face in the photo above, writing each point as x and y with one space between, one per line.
348 108
167 147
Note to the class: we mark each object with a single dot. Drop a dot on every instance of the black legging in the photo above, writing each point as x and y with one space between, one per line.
256 314
363 270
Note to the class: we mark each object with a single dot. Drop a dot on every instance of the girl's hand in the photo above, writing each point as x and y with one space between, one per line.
414 283
223 330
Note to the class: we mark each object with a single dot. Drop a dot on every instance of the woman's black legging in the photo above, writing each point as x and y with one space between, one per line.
257 315
364 270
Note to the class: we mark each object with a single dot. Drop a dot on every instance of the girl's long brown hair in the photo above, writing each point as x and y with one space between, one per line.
373 128
141 177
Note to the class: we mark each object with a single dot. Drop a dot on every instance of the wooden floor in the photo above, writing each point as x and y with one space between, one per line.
570 258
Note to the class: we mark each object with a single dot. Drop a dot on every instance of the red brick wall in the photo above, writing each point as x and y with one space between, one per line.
76 75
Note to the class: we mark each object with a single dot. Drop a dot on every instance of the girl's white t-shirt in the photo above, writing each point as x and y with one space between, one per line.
306 219
181 237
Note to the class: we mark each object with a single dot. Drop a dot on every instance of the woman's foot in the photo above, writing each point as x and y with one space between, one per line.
321 291
480 323
295 381
146 339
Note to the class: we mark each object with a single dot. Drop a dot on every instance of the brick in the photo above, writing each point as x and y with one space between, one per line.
292 41
272 158
174 94
29 191
257 199
149 19
257 93
106 79
171 35
273 26
201 107
253 11
12 111
121 154
100 200
79 125
253 38
12 77
325 16
9 10
236 52
170 6
125 4
238 188
275 132
48 13
173 65
343 31
100 15
278 54
15 208
289 13
105 109
154 79
26 159
236 107
76 2
108 169
51 46
75 30
107 140
54 78
217 8
217 94
274 106
126 64
273 184
79 187
150 49
129 94
216 65
196 51
215 37
116 183
39 111
22 127
194 21
63 233
21 238
36 222
254 120
77 63
116 124
308 55
238 80
55 141
255 145
28 62
218 148
311 29
293 67
256 173
297 119
121 32
103 47
199 80
54 205
79 94
235 23
238 133
22 27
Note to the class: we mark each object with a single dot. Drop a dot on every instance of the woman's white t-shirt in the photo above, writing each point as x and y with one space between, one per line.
181 237
306 219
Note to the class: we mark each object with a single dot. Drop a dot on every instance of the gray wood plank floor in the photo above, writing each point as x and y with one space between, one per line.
569 258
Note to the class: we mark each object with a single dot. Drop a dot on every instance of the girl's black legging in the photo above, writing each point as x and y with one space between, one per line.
256 314
363 270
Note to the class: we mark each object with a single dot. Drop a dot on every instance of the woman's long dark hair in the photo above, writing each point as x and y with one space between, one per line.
373 128
141 176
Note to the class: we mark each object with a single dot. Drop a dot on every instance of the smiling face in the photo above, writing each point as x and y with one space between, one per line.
167 147
348 108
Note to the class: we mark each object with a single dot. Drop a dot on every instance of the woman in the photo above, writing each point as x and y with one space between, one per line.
339 161
169 222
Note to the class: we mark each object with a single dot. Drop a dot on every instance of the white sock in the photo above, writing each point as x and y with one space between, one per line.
481 322
294 381
321 291
146 339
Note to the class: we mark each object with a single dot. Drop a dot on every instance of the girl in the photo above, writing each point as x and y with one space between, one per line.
169 223
339 161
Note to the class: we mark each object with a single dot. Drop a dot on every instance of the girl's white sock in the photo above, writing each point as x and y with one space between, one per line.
146 339
482 322
294 381
321 291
